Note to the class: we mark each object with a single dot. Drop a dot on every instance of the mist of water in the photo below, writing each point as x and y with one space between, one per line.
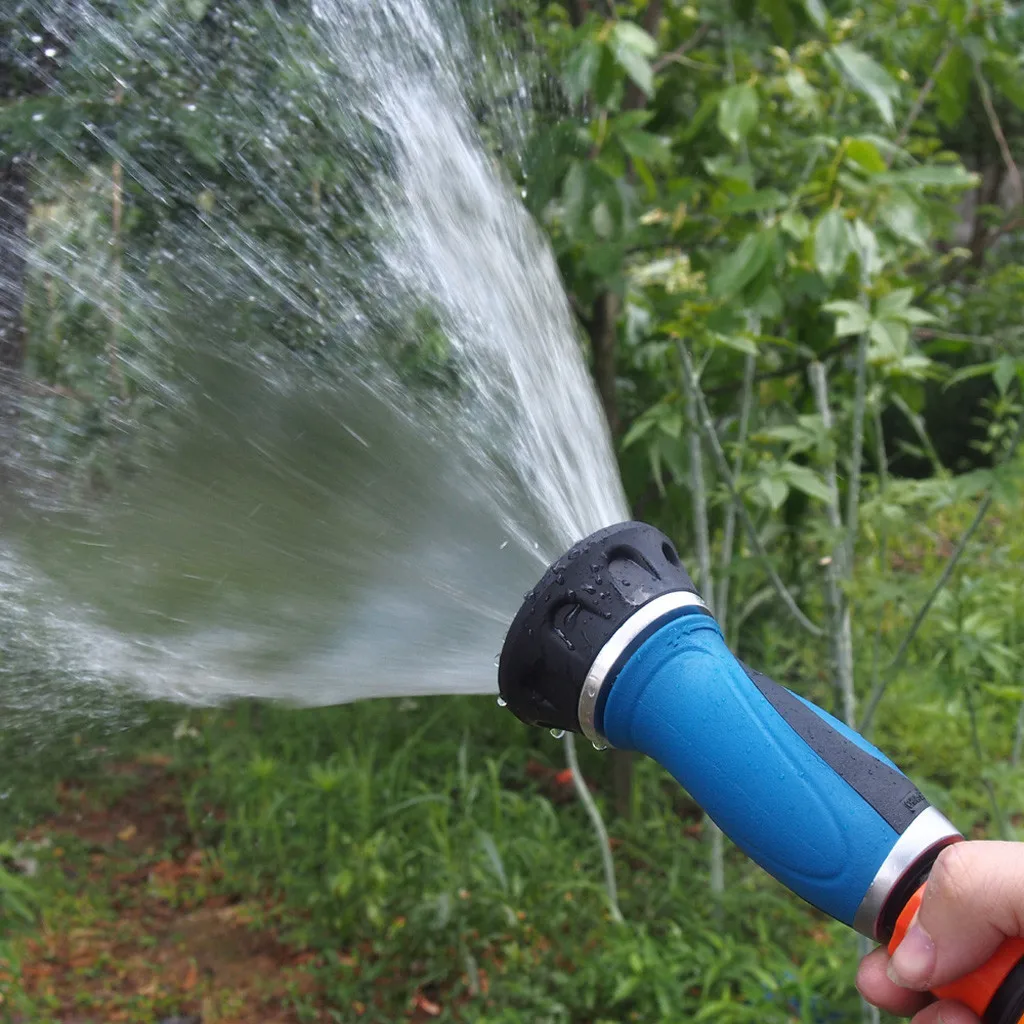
303 522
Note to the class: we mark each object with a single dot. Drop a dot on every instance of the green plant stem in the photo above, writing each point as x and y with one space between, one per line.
923 94
729 530
1018 739
840 632
979 753
856 454
698 493
601 832
951 564
722 464
883 543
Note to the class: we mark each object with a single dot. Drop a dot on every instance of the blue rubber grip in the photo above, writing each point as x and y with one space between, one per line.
808 799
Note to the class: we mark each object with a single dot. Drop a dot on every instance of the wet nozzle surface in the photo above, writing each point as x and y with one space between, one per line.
576 607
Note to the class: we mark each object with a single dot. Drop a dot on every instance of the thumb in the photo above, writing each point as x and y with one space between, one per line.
973 900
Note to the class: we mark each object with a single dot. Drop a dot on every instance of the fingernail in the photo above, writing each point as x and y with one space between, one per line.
914 960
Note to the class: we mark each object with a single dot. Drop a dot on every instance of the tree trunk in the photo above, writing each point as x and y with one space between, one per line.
603 342
14 209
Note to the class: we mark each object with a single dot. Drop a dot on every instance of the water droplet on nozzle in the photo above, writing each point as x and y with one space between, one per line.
502 703
557 733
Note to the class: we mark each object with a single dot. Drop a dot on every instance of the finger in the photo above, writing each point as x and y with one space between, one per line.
876 987
973 900
945 1012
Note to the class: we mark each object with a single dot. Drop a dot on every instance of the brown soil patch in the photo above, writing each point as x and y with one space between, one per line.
150 938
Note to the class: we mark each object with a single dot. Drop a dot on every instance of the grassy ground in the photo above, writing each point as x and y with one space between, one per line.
427 860
231 875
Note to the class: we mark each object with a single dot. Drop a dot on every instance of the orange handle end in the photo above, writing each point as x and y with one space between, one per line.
976 989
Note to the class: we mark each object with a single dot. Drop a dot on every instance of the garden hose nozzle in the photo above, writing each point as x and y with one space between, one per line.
615 643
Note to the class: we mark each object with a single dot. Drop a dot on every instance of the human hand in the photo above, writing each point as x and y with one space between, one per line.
974 900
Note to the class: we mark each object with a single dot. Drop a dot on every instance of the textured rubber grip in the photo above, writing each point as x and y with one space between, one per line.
995 991
808 799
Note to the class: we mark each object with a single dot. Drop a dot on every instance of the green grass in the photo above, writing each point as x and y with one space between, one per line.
422 869
424 860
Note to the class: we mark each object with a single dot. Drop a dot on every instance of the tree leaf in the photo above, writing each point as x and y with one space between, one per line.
574 195
633 47
581 68
738 342
917 315
930 176
755 202
645 146
816 12
602 221
796 225
953 86
737 112
631 36
1006 76
804 479
802 91
1004 372
865 155
852 317
640 427
637 67
895 303
869 77
831 245
865 245
775 491
741 266
781 16
707 107
889 341
671 423
905 219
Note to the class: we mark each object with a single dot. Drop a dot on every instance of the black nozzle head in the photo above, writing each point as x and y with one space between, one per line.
575 609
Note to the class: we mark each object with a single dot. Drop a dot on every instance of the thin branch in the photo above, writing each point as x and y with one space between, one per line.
947 572
722 464
838 566
699 499
728 540
707 588
997 130
979 753
922 96
856 451
928 333
598 822
883 545
669 58
789 368
1018 739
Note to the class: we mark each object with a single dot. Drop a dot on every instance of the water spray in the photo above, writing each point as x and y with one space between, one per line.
616 643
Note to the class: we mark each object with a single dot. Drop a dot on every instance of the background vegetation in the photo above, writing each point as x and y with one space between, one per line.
791 233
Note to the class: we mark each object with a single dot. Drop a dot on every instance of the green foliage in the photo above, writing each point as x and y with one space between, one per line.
769 183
